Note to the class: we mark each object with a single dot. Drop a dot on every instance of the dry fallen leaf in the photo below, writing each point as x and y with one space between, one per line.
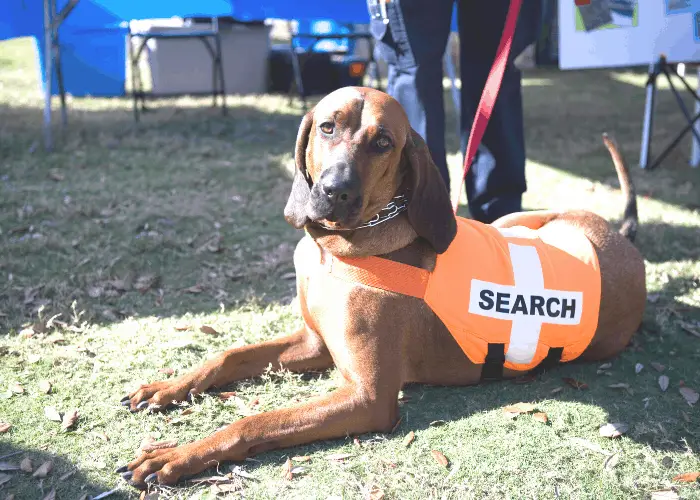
239 471
664 495
396 425
69 419
183 327
541 417
193 289
338 456
619 386
638 368
610 462
657 366
226 395
575 383
208 330
17 389
26 465
605 366
101 435
146 282
145 442
437 423
409 438
613 430
67 475
225 488
52 414
304 458
556 390
51 495
689 328
663 382
520 408
439 458
157 445
376 493
4 427
45 386
588 445
56 175
109 493
43 470
287 470
689 395
688 477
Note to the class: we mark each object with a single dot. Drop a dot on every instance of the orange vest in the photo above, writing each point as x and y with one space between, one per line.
495 286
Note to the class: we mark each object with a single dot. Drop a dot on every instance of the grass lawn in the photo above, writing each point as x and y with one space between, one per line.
116 249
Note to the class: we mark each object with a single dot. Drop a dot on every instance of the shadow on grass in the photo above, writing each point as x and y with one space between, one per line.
67 479
187 197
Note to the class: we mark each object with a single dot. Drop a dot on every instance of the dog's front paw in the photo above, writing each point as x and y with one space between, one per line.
165 466
160 395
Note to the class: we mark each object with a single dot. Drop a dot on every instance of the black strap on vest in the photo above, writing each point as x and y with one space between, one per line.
493 364
496 357
550 361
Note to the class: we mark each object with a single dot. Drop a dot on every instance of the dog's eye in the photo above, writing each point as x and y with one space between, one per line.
383 142
327 127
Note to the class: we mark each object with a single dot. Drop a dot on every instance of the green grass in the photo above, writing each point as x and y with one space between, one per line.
190 198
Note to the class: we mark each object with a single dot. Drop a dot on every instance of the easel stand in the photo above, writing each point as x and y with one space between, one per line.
662 67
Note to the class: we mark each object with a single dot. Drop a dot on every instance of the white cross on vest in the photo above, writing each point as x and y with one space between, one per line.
527 304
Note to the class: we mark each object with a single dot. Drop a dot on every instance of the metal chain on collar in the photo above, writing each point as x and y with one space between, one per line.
397 205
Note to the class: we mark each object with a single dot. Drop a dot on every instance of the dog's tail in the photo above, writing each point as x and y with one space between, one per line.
630 221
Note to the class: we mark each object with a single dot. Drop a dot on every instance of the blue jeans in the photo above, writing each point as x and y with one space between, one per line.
413 46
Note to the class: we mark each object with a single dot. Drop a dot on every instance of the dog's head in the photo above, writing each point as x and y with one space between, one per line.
355 151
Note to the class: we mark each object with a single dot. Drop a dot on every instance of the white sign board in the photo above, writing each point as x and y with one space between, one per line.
609 33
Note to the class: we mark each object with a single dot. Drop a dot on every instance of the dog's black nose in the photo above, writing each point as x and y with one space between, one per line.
340 188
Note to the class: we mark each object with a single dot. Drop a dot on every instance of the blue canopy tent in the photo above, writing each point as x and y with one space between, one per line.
93 32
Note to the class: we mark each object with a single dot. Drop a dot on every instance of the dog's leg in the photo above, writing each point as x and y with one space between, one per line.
352 409
300 351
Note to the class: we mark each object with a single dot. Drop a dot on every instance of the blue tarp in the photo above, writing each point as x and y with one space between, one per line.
92 38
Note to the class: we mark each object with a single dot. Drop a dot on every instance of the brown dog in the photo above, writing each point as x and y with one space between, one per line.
354 153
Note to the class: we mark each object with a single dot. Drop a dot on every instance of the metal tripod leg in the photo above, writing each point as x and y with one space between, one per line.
648 123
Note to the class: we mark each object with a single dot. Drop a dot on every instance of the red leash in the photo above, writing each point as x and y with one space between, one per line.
490 93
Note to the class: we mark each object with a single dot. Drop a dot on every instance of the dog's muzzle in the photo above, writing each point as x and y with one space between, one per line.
337 196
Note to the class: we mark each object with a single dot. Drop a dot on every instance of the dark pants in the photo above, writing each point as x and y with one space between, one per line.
414 45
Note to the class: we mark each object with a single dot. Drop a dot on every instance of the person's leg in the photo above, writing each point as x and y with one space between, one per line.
495 188
413 47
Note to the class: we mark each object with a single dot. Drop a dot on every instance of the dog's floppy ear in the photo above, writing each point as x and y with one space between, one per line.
295 210
429 209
